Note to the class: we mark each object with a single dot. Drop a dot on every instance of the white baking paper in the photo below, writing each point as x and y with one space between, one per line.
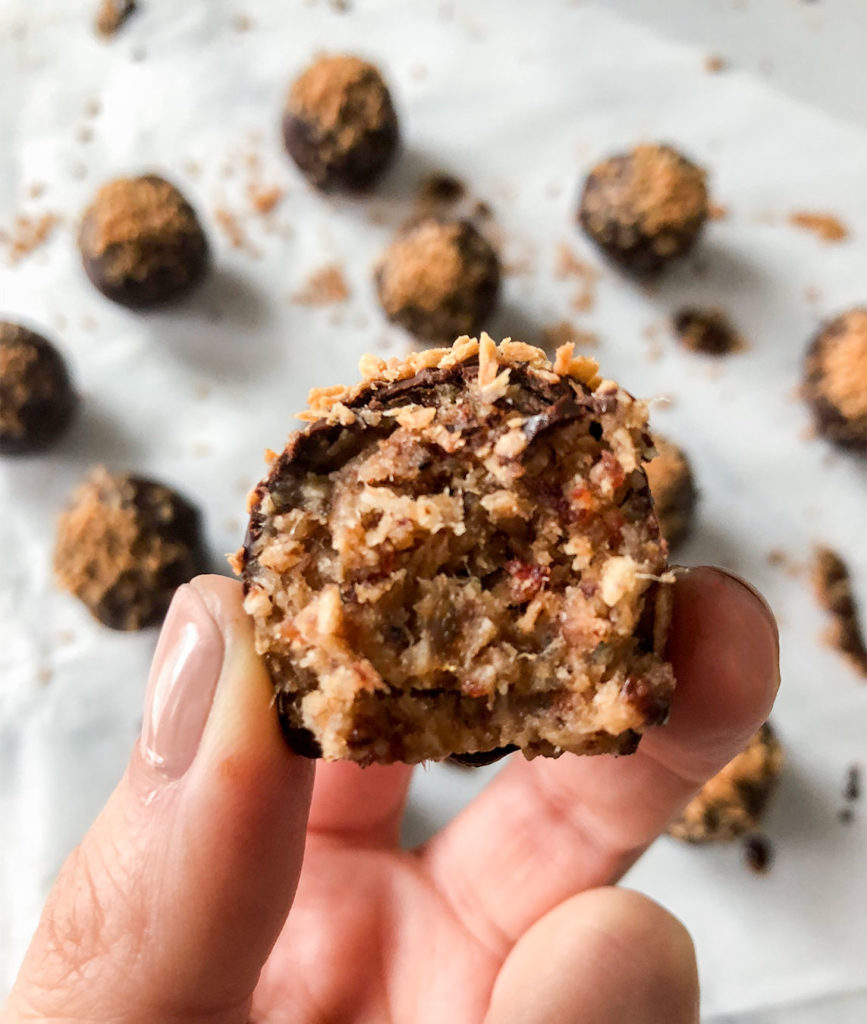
517 100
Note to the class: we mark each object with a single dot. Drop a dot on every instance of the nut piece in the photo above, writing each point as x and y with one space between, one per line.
141 242
460 555
439 279
339 125
644 208
835 379
734 800
37 400
124 545
672 487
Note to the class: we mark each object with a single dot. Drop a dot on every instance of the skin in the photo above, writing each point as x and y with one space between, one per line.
176 906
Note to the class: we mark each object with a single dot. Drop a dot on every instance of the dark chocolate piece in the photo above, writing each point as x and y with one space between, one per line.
483 757
835 379
439 279
37 399
339 125
644 208
758 853
124 545
706 330
141 242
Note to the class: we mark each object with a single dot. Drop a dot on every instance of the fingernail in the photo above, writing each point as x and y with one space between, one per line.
181 685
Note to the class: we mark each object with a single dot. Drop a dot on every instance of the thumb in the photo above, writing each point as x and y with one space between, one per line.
170 905
602 957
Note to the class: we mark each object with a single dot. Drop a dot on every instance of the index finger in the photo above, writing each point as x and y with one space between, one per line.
545 830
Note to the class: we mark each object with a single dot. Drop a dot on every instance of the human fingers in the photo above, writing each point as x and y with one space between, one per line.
169 907
360 805
602 957
544 830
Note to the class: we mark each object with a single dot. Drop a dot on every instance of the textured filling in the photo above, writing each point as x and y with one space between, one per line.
460 561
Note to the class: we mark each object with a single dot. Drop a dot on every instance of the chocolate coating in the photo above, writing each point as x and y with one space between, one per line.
439 279
835 379
37 399
644 208
339 125
141 242
124 545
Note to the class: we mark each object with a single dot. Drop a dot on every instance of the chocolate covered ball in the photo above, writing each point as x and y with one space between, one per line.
124 545
835 379
439 279
37 399
673 490
644 208
339 125
141 242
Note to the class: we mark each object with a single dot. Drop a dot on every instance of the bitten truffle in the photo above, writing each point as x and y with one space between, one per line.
459 556
734 800
339 125
835 379
672 486
37 399
141 242
439 279
644 208
124 545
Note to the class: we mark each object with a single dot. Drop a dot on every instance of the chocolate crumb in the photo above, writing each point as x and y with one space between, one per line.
759 853
833 588
111 15
706 330
265 198
846 815
824 225
481 210
440 189
852 785
324 287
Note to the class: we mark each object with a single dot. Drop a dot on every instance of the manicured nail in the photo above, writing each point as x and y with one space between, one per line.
181 685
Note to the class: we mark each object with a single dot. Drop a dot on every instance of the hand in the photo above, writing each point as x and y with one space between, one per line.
174 908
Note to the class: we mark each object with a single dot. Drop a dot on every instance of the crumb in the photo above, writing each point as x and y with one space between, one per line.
92 108
706 330
717 211
84 133
341 6
440 188
812 294
846 815
758 853
229 224
111 15
265 198
28 233
824 225
481 210
242 23
35 190
852 785
555 335
568 265
714 63
780 559
417 72
833 588
202 389
324 287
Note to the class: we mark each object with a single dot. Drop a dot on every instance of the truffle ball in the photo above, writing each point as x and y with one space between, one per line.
141 242
734 800
439 279
673 490
124 545
37 400
459 556
835 379
339 125
644 208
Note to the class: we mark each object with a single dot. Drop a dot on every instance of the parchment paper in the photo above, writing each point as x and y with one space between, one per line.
517 100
